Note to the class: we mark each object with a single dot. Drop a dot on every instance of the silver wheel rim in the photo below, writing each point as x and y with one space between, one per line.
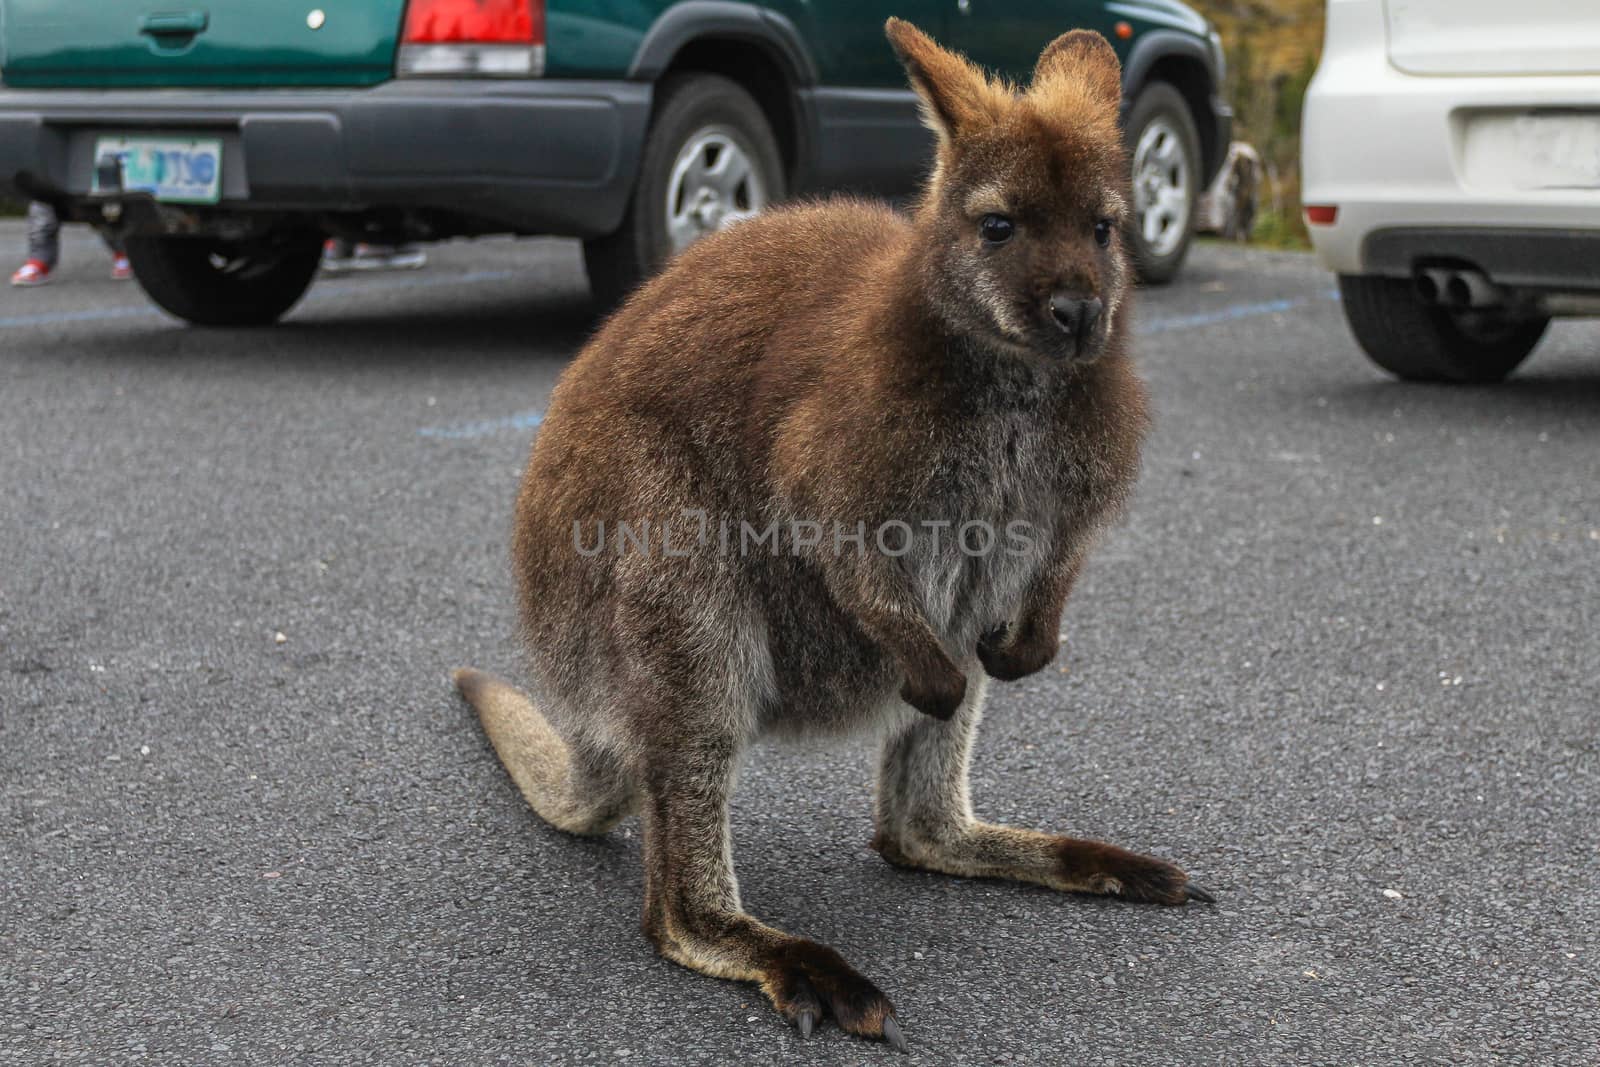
1161 187
714 184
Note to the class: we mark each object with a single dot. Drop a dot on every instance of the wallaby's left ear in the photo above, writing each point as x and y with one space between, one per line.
956 95
1086 58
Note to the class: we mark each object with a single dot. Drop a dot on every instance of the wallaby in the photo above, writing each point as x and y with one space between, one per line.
754 505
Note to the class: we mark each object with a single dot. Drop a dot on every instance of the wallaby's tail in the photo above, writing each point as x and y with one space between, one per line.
571 798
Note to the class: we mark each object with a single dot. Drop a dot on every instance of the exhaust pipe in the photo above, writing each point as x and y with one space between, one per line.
1461 290
1470 289
1431 284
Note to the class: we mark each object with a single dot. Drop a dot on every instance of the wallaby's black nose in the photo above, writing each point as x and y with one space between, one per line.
1074 316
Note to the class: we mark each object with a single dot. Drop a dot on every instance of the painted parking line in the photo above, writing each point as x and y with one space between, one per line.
322 292
529 420
1231 313
59 318
463 431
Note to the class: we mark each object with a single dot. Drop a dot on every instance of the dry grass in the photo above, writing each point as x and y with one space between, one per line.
1272 47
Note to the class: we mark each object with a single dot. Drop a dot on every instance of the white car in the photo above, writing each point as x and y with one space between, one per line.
1451 175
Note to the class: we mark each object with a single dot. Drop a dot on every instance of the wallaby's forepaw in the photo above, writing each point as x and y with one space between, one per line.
1023 654
806 981
1096 867
939 692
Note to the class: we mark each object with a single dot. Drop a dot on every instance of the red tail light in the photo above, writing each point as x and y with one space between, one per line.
473 38
1322 214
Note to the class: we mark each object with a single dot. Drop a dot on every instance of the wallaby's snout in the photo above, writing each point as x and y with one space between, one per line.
1078 318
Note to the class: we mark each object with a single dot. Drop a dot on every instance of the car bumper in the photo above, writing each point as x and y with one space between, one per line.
555 157
1396 154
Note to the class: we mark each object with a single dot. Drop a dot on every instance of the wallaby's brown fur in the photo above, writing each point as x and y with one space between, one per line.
843 365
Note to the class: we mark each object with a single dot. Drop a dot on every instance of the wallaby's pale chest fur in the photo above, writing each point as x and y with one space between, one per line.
836 467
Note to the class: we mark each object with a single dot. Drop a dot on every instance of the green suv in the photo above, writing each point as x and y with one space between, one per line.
226 139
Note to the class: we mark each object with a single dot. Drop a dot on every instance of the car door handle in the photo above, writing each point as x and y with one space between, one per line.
174 23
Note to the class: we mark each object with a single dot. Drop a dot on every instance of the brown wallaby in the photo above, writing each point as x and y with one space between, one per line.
831 470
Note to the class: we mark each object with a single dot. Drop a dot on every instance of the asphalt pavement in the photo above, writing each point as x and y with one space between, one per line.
1341 662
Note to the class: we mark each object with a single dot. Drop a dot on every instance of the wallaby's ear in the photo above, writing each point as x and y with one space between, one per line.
1084 57
956 95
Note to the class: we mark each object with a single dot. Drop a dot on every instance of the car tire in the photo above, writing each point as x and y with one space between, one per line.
212 282
718 115
1164 150
1427 343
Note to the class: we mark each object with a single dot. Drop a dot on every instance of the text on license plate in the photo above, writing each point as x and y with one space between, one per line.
179 169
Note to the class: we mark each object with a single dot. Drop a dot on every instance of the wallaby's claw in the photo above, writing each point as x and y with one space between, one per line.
807 1020
1194 892
892 1034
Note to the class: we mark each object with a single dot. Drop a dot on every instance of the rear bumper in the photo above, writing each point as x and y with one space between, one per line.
1558 260
556 157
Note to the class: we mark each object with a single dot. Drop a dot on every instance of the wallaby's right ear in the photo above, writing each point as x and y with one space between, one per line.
956 96
1084 57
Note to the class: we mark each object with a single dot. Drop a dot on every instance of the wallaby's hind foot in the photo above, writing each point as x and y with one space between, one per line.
693 916
1096 867
570 793
983 850
807 981
925 820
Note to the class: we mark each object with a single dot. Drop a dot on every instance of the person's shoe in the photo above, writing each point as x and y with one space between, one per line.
121 271
388 257
337 256
406 257
31 273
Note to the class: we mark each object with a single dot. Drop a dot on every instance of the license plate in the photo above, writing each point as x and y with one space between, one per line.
1534 151
177 169
1559 151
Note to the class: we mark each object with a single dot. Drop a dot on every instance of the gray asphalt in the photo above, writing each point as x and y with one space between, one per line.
1341 661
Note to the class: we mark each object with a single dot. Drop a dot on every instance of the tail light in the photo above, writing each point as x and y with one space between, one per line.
472 39
1322 214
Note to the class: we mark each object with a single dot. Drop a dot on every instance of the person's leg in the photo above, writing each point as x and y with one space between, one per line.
120 270
112 239
44 235
44 246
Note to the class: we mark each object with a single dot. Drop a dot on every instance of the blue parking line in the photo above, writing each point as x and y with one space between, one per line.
462 431
529 420
1231 313
56 318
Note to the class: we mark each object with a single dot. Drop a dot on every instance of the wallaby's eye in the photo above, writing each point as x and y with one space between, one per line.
1102 232
996 229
